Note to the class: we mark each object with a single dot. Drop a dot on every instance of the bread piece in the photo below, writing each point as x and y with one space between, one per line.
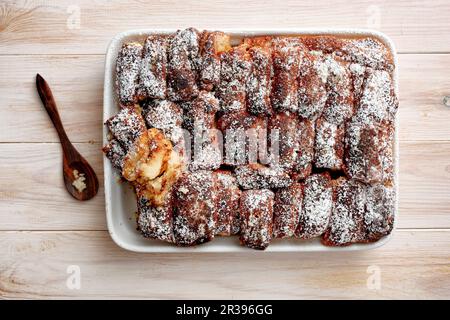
368 51
126 126
286 59
380 211
286 210
329 145
339 106
199 119
257 176
194 200
183 62
289 139
115 153
378 101
303 166
312 91
317 205
245 138
128 65
256 208
347 219
259 82
235 70
227 216
153 72
166 116
212 44
155 221
369 152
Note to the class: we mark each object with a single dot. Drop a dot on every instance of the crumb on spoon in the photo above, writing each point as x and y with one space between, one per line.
79 183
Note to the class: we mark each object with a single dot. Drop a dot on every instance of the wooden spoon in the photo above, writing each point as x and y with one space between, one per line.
79 177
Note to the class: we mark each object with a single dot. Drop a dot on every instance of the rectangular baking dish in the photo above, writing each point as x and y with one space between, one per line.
120 200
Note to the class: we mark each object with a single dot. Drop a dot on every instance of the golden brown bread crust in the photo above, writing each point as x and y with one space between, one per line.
286 210
256 209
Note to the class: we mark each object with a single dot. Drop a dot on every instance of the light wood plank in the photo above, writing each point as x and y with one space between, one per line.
32 192
52 26
77 83
32 195
414 264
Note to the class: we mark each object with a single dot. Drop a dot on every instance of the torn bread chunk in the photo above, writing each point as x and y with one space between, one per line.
339 106
148 158
245 138
115 153
194 201
259 82
369 152
347 219
256 209
380 211
234 72
183 61
227 217
212 44
199 120
286 60
128 66
329 145
155 222
286 211
312 90
152 77
257 176
378 101
126 126
317 206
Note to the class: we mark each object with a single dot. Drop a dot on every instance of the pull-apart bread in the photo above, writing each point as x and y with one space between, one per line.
264 138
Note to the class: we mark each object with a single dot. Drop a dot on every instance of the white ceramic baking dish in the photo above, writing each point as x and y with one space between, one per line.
120 199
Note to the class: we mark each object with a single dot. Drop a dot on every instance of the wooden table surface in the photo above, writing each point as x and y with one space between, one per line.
47 238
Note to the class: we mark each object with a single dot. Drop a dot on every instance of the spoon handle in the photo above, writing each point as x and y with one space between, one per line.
50 106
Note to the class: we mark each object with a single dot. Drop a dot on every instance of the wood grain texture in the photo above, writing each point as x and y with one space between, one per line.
85 26
77 84
422 270
424 188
